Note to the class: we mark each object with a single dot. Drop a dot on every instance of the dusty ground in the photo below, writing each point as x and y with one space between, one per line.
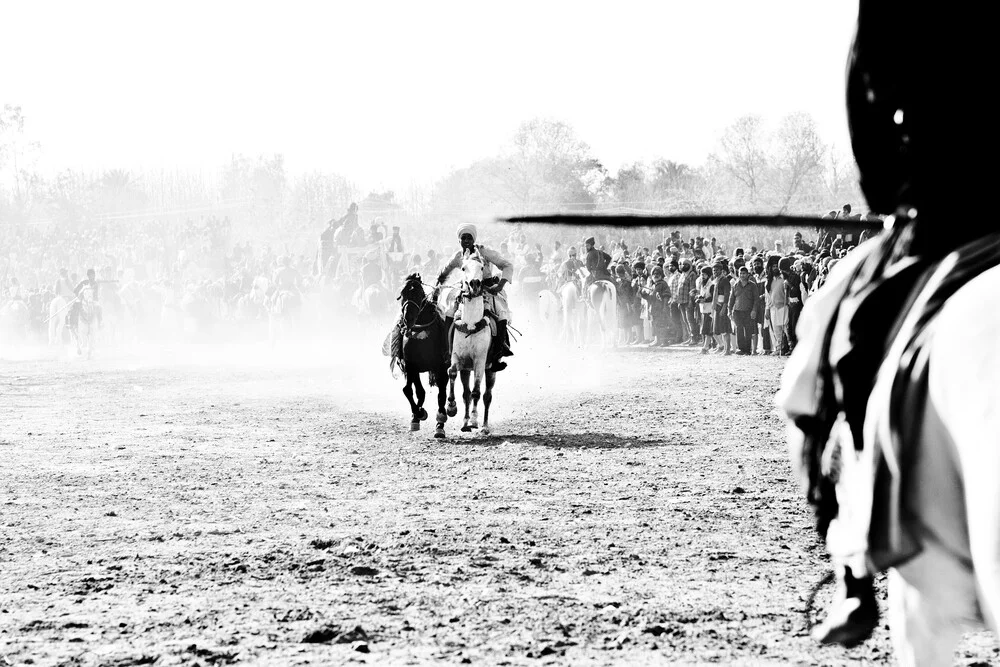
220 506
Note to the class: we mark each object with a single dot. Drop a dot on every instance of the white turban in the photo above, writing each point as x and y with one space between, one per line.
467 228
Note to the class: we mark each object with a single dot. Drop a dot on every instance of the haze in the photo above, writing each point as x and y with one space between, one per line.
396 94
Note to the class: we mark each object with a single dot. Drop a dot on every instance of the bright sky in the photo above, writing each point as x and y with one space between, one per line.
394 93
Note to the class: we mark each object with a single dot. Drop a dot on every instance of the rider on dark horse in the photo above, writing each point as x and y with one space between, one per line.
495 298
597 262
913 121
91 283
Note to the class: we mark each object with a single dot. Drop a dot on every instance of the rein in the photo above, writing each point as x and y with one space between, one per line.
416 327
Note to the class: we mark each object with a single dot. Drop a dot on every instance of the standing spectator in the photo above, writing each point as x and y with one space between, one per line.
674 281
720 310
761 321
777 309
657 296
705 290
685 286
626 304
638 304
793 290
742 308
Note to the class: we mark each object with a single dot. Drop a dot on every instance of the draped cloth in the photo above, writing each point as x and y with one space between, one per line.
854 384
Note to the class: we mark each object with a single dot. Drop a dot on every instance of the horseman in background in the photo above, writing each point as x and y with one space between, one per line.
569 270
596 262
64 287
91 283
286 279
495 298
371 272
349 232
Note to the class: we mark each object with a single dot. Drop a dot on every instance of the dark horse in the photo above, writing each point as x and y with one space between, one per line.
424 350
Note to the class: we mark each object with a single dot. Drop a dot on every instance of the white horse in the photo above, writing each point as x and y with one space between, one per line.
470 346
603 297
58 311
572 313
549 312
948 468
87 324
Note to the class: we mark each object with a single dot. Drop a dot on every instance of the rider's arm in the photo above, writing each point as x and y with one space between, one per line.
455 263
493 257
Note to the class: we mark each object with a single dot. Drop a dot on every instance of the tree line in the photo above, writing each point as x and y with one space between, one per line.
544 167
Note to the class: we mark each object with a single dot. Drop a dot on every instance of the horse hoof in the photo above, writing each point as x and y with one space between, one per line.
439 432
452 409
474 424
486 430
466 428
414 425
422 414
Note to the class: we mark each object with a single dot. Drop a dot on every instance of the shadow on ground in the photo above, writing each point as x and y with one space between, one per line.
574 441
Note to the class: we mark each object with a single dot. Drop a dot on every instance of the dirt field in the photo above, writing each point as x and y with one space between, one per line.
222 505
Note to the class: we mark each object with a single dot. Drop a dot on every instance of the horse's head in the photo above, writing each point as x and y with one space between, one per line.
413 296
473 268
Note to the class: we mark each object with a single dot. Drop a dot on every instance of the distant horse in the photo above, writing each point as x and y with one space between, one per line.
14 318
572 313
374 301
603 296
87 324
549 312
470 344
425 350
58 312
285 307
252 306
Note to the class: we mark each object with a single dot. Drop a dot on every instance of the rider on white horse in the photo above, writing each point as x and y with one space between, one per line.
569 270
495 298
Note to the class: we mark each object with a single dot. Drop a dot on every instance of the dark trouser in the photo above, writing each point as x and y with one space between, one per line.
741 321
793 319
694 318
765 336
677 320
661 326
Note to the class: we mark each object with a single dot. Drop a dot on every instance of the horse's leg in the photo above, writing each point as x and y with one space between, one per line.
52 325
442 387
452 374
421 394
476 393
487 399
467 397
408 392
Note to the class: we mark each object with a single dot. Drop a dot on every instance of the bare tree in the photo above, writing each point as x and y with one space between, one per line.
744 154
798 155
